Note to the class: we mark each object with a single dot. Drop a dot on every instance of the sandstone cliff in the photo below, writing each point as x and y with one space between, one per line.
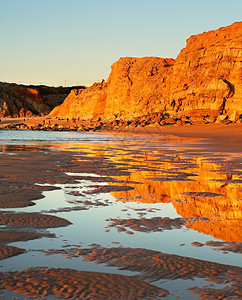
137 86
202 83
207 73
24 101
53 96
84 103
19 101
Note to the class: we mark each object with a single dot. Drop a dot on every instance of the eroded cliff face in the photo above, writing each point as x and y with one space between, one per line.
54 96
84 103
25 101
19 101
137 86
206 77
203 82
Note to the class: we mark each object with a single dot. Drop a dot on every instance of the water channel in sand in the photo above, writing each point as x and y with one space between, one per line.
139 191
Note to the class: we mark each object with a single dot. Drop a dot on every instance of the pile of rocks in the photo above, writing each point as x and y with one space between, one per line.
154 120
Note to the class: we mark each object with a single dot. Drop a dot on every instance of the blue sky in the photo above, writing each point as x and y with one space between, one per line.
58 42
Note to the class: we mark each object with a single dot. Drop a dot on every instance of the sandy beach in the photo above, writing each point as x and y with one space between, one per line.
216 137
226 138
134 182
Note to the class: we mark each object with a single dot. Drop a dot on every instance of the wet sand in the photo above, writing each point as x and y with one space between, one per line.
72 284
32 220
154 224
215 137
48 166
18 174
153 265
8 251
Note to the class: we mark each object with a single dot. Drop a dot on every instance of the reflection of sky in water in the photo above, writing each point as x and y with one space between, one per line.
189 183
89 225
11 295
34 137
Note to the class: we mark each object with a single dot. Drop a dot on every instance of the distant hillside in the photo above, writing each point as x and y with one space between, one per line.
25 101
53 96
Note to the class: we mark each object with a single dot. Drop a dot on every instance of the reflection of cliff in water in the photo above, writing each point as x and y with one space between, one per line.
196 187
15 148
199 186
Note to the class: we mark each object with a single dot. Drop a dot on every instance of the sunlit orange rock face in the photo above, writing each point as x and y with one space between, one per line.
137 86
205 79
207 73
84 103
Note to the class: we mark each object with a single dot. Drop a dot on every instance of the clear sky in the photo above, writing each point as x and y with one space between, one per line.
69 42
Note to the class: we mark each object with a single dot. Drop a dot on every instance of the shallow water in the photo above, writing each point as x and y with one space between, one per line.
166 178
